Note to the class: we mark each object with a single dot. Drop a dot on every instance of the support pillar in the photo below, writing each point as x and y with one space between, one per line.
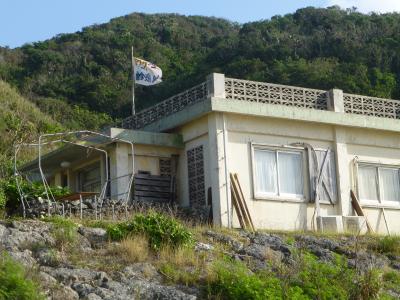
216 85
119 170
335 100
218 171
343 172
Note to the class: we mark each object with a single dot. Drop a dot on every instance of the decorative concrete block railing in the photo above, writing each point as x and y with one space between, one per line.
252 91
371 106
167 107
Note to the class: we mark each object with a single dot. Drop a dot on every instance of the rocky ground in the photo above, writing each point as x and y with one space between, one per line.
82 276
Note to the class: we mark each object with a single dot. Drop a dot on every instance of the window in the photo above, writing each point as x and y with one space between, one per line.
90 178
278 173
195 164
379 184
165 166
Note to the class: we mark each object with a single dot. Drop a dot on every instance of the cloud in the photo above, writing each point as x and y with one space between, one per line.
367 6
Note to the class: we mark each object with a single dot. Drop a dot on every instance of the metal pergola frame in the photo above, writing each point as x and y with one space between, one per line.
43 140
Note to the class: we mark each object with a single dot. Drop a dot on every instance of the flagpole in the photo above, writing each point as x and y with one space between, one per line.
133 84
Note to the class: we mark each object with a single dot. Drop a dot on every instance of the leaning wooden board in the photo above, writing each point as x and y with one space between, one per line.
360 212
244 201
239 204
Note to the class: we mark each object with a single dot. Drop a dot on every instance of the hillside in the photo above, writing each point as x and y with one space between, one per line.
317 48
156 257
21 121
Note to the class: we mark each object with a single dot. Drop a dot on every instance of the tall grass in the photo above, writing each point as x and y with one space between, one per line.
15 282
134 249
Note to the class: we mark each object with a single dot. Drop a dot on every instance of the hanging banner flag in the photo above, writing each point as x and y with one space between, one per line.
146 73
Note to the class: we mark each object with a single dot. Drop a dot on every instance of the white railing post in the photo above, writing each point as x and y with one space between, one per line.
216 85
335 100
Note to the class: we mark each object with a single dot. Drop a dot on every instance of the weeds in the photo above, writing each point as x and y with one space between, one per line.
369 285
134 249
229 279
310 279
15 282
181 265
388 245
160 230
64 232
391 281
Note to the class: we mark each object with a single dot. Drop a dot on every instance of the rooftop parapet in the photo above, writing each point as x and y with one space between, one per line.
218 86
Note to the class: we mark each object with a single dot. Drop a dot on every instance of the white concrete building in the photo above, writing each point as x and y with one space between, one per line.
276 139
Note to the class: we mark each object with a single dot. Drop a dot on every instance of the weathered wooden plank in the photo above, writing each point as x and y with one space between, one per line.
153 177
241 201
76 196
151 199
143 187
247 212
237 209
360 212
152 182
152 194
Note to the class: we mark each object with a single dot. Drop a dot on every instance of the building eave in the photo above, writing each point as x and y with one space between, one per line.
304 114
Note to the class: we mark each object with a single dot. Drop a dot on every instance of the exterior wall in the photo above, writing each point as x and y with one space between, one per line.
146 159
72 172
288 214
194 134
374 147
284 214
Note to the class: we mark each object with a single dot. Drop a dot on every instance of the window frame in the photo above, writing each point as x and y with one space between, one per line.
379 202
283 197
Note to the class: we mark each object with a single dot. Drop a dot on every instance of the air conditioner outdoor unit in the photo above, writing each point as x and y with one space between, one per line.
333 224
354 224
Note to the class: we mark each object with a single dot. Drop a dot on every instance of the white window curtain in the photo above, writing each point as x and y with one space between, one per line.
389 184
290 173
278 173
379 184
368 183
266 174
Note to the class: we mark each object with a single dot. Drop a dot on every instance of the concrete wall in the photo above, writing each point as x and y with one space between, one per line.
285 214
194 134
243 131
146 159
73 170
374 147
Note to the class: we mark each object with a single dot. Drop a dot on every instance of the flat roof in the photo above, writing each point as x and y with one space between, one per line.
148 138
68 152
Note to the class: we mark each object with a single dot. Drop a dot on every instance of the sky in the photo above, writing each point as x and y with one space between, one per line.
26 21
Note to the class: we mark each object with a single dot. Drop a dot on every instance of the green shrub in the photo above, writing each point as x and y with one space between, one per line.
64 231
319 280
369 284
231 279
309 279
388 245
160 230
3 198
30 190
14 282
391 281
392 277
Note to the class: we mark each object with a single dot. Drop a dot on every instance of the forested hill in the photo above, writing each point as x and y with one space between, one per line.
318 48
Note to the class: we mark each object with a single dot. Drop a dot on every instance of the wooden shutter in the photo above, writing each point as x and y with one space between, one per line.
328 189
